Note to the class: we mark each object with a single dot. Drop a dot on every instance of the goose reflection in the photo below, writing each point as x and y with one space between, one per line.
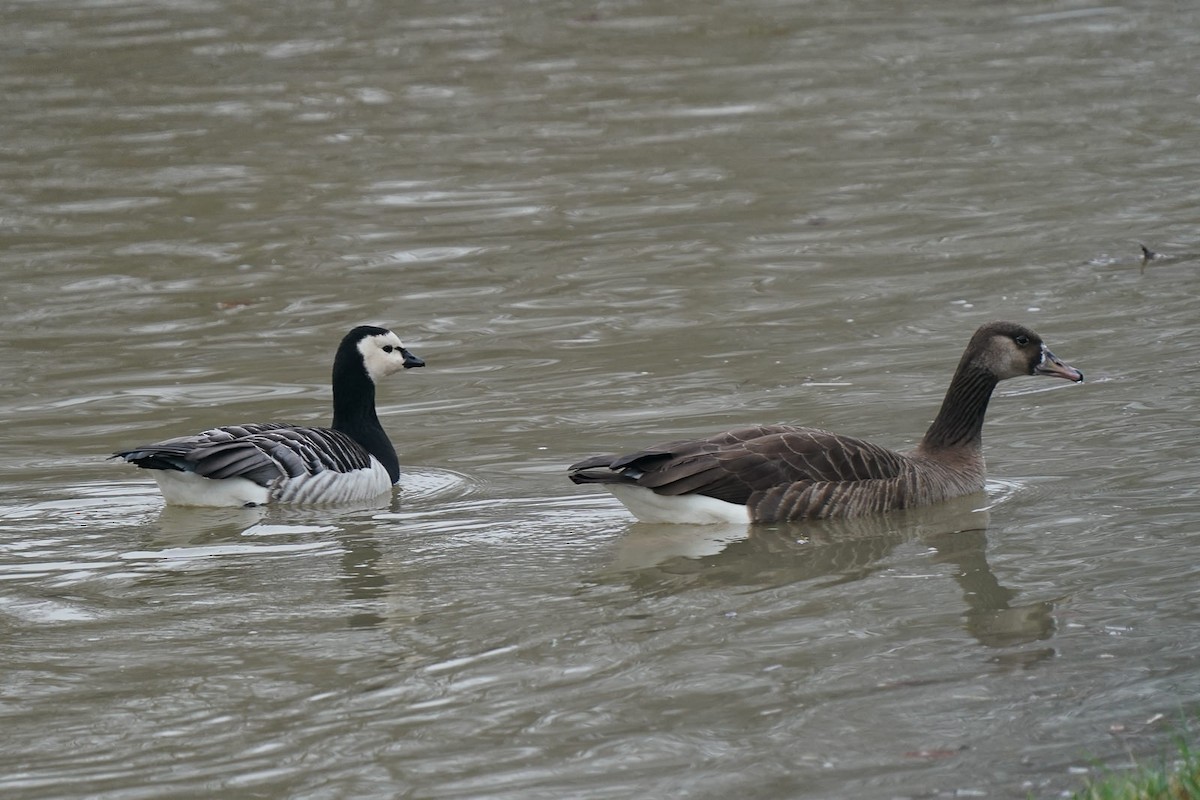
185 530
193 525
667 559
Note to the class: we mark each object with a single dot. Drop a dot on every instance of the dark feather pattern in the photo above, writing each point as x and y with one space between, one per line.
783 471
261 452
352 459
787 473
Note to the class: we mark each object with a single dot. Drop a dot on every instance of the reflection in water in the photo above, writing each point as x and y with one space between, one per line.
990 618
667 559
178 525
360 575
186 534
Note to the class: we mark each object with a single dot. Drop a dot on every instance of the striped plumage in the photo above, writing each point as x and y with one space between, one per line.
274 462
773 473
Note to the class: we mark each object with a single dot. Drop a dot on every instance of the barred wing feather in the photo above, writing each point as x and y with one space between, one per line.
733 465
261 452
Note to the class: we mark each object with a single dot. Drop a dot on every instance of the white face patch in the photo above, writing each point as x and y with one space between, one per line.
382 354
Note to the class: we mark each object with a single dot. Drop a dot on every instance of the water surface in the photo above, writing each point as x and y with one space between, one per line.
602 225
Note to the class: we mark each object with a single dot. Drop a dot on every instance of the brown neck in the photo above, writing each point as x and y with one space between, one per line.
959 423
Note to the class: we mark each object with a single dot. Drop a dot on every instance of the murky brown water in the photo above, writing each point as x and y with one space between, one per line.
601 225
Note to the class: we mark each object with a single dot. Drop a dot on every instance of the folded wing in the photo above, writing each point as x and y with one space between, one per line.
262 452
735 465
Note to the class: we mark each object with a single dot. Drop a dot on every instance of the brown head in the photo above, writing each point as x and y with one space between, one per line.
998 351
1008 350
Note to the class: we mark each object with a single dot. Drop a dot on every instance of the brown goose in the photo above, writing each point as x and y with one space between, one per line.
775 473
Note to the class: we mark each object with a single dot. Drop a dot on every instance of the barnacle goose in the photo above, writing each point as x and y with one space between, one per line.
274 462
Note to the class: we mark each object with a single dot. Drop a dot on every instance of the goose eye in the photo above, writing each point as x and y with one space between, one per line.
1021 339
387 348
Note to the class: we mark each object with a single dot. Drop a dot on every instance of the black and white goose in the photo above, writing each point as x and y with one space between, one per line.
775 473
274 462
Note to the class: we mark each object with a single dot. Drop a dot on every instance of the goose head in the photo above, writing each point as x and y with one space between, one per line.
1008 350
381 351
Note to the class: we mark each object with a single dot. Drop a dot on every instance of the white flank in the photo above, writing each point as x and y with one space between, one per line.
685 509
335 487
189 489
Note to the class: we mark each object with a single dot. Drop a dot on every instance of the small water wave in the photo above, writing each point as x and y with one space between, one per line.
92 504
1000 491
1029 489
184 555
503 520
120 503
420 485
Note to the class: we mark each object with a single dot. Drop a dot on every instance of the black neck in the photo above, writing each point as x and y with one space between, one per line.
959 423
354 410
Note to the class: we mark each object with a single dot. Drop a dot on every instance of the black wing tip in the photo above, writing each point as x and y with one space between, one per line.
149 460
598 476
594 462
132 456
597 469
